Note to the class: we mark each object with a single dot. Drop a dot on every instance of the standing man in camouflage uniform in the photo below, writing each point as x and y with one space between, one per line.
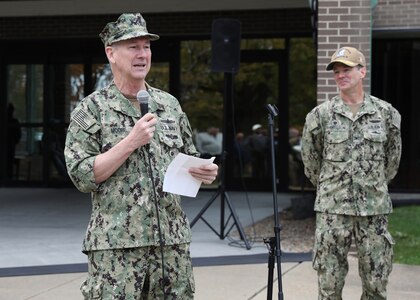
351 148
109 147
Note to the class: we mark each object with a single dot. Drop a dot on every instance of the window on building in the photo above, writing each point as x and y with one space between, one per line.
25 96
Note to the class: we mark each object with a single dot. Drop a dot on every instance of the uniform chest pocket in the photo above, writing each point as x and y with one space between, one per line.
169 135
171 144
112 134
374 144
376 136
337 136
171 139
374 131
336 145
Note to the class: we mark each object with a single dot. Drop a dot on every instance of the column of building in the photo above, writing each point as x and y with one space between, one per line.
341 23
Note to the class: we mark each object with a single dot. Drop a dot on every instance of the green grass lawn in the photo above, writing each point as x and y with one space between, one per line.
404 225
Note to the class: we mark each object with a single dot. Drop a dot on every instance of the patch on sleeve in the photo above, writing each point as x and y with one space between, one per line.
84 120
311 122
396 118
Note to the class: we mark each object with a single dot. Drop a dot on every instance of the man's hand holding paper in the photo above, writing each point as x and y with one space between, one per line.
186 173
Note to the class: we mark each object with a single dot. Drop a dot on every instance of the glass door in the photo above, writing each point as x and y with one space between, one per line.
272 71
25 100
261 80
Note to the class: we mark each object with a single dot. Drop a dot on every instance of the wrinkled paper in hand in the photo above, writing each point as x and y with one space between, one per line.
177 178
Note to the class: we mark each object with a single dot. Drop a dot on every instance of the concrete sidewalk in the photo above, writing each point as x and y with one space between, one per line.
41 231
233 282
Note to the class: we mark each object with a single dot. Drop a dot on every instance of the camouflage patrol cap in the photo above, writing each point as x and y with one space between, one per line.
126 27
349 56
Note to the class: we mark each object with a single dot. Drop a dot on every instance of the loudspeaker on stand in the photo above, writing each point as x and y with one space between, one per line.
225 39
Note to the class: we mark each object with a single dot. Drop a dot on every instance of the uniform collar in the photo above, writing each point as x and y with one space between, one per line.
338 106
119 102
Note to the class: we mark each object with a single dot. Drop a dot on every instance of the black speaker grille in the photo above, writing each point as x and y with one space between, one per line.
226 43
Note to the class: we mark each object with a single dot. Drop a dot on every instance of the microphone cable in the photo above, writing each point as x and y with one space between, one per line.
252 239
143 100
161 240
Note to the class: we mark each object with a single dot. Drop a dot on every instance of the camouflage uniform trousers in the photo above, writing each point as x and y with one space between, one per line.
374 245
136 273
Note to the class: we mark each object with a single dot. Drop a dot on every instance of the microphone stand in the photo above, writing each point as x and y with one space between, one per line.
224 197
274 243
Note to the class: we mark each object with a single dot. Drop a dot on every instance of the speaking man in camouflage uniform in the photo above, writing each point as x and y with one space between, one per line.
351 148
109 147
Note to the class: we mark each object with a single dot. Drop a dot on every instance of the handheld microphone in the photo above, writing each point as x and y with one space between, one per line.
143 99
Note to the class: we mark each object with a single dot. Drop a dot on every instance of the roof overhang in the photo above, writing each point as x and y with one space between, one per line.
102 7
396 33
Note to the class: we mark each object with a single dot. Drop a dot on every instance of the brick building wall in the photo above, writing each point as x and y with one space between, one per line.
397 14
341 23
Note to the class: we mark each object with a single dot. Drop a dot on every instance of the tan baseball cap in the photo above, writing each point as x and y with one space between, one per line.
127 26
349 56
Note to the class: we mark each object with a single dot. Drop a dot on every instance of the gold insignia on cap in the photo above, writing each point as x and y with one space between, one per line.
349 56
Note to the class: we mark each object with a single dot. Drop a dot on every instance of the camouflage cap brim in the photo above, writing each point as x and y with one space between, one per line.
127 26
130 33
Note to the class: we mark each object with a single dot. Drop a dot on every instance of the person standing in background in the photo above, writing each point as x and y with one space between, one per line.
14 136
351 149
257 145
209 143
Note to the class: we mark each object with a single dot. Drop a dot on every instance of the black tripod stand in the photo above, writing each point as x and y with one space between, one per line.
274 243
221 191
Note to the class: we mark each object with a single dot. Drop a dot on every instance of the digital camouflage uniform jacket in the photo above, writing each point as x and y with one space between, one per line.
352 160
123 211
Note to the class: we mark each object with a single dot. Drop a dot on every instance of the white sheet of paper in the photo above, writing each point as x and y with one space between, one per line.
177 178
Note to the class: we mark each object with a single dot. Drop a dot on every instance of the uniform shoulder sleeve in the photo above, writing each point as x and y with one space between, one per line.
393 145
391 113
85 116
83 144
312 144
395 118
316 118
